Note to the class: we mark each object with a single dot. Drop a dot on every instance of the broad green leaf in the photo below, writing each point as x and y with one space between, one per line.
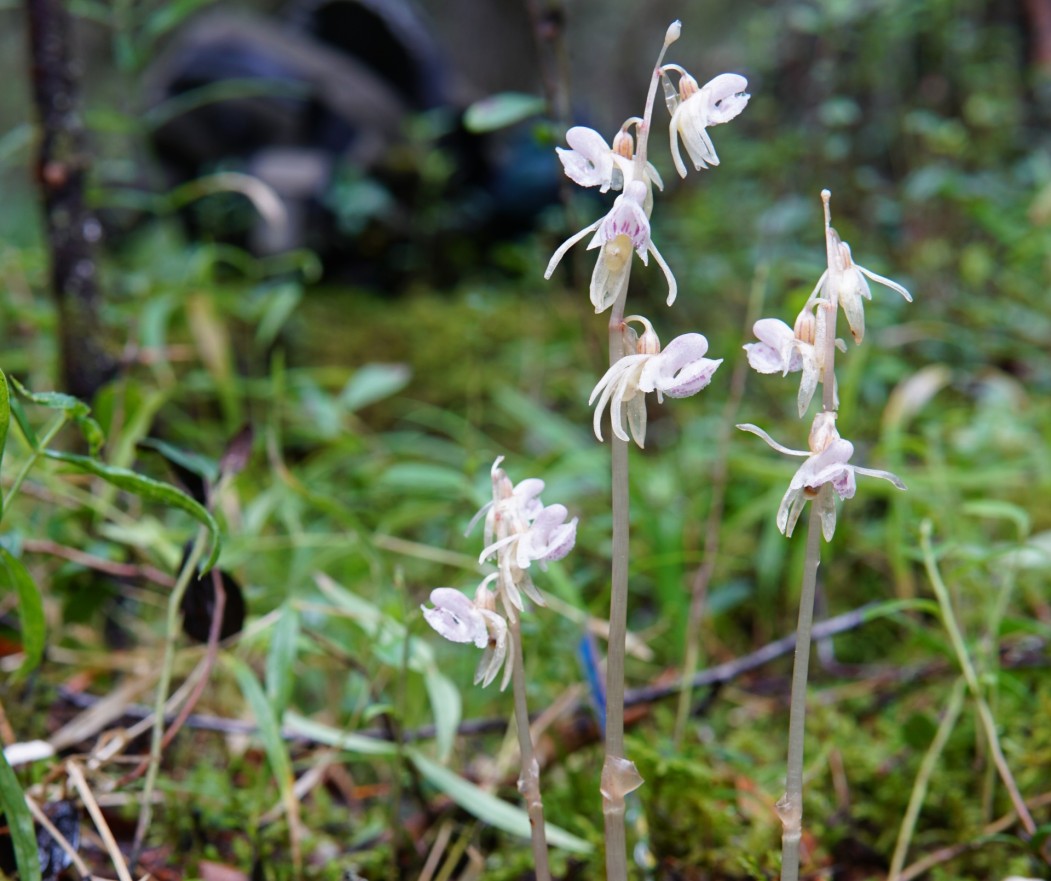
23 422
424 477
387 634
448 708
997 509
372 383
19 822
280 301
77 411
501 110
147 488
167 16
344 740
488 808
31 610
195 463
281 659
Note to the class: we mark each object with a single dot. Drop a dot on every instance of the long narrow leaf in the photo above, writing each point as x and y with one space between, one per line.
31 610
281 659
146 488
448 708
74 408
19 822
488 808
274 744
5 413
344 740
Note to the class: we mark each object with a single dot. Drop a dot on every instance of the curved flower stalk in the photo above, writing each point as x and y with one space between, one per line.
844 281
693 109
625 228
679 371
803 349
827 464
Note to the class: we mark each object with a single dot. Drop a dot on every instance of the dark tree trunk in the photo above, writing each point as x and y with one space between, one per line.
72 230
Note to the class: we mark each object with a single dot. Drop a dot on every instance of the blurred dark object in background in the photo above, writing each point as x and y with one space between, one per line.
342 108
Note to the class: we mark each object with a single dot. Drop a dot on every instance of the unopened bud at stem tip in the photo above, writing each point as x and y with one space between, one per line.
674 29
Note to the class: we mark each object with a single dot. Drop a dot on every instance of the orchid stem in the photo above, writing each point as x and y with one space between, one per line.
790 807
529 780
612 800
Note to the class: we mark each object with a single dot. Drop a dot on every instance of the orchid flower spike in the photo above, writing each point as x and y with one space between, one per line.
679 371
694 109
521 530
625 228
827 464
843 282
458 619
783 349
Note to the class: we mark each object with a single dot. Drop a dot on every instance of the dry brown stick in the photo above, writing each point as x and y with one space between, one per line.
76 775
99 564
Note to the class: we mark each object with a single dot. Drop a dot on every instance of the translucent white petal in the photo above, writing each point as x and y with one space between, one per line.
455 617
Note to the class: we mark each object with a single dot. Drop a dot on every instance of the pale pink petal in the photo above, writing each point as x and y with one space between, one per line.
590 162
455 617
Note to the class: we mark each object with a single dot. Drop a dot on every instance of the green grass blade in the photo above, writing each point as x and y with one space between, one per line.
5 413
31 610
447 707
344 740
281 659
488 808
20 823
146 488
273 744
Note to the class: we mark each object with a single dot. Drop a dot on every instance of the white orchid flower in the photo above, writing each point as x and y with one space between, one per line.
455 617
459 619
827 463
695 109
593 163
590 161
625 228
844 281
678 371
521 530
783 349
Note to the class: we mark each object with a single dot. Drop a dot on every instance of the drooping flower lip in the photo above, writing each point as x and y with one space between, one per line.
456 618
590 161
727 97
681 369
777 350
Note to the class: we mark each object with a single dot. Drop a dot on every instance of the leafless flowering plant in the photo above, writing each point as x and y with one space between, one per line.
826 473
638 364
519 530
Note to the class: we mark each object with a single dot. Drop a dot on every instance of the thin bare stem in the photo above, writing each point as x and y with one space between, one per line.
985 715
923 777
156 744
790 806
529 780
612 800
